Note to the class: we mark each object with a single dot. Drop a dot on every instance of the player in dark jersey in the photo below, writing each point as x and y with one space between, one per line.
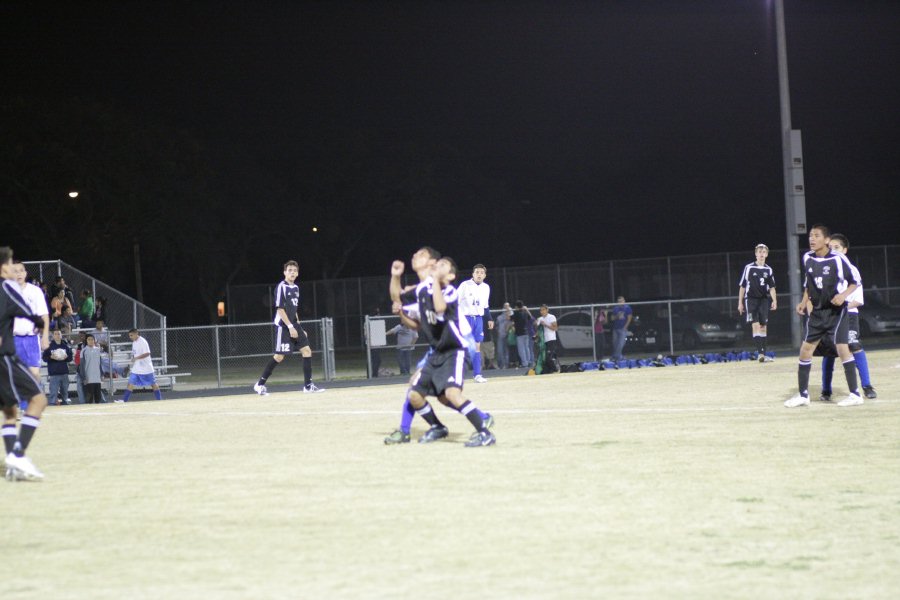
756 298
829 280
436 316
289 336
841 245
17 384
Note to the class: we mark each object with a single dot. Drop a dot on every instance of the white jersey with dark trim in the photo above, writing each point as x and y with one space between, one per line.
447 331
857 295
12 305
474 298
34 296
826 277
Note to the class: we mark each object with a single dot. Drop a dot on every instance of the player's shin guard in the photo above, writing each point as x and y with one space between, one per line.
157 394
427 413
827 373
803 370
406 417
474 415
862 364
476 363
9 437
26 431
267 372
307 370
850 372
763 338
757 342
126 396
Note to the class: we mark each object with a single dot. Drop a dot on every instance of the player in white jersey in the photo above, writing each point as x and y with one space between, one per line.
142 373
29 343
474 303
841 245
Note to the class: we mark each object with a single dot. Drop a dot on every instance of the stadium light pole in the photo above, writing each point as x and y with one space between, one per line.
794 189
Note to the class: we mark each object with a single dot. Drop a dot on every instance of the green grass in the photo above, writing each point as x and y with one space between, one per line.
678 482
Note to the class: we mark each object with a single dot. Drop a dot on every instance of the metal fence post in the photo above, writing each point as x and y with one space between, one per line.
328 336
367 337
218 360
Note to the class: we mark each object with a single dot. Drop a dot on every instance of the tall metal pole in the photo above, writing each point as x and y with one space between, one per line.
791 201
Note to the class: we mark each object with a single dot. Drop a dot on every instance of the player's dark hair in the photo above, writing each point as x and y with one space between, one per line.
479 266
6 254
452 263
431 252
132 330
823 228
840 237
291 263
89 337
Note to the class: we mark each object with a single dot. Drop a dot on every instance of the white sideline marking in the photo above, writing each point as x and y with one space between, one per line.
539 411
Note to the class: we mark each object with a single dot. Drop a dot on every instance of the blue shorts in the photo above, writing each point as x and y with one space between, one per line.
28 349
477 325
142 379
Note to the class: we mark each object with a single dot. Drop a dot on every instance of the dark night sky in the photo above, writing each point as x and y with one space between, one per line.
561 131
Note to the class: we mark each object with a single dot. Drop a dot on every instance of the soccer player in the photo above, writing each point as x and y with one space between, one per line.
757 287
829 280
288 333
16 381
141 367
407 306
30 343
474 302
840 244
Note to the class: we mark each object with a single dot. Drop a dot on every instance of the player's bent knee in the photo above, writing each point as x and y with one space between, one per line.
278 357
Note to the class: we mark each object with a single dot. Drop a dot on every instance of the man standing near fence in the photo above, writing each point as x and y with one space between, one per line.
288 333
756 298
141 367
621 316
475 296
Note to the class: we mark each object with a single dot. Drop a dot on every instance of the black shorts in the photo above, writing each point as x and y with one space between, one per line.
853 337
828 321
17 384
757 310
285 344
442 370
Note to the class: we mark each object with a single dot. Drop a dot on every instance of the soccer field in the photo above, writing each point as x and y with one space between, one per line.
685 482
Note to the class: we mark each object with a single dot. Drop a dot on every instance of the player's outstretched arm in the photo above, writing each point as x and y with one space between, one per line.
397 268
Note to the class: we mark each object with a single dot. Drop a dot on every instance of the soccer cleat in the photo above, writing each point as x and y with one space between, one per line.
480 379
260 389
825 397
481 438
437 432
798 400
870 392
119 401
311 388
765 359
851 400
22 468
488 420
398 437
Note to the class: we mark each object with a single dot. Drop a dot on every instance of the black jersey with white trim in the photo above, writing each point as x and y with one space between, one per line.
826 276
448 331
757 280
12 305
287 296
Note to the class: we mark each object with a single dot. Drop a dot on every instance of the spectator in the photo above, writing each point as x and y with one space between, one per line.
406 341
549 325
57 303
90 370
504 320
86 310
58 356
621 318
101 335
524 324
599 334
99 310
79 380
66 323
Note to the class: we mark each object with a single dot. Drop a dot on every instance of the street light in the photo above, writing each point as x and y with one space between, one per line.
73 194
794 189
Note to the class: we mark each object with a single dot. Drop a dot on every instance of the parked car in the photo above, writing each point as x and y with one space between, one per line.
693 324
876 316
576 332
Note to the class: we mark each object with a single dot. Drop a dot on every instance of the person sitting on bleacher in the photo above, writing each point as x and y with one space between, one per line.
58 356
57 303
66 321
86 310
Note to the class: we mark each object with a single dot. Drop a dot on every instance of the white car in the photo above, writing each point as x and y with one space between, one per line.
575 330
